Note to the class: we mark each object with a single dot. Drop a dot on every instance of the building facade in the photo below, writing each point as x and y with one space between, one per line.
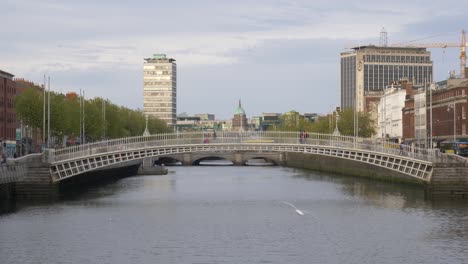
195 123
389 112
206 116
239 121
449 104
160 88
270 121
7 113
256 123
368 69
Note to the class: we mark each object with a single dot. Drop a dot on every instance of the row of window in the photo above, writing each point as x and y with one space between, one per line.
9 89
376 77
169 83
10 133
10 117
147 99
167 94
173 105
447 95
10 102
348 81
159 110
158 72
163 115
397 59
162 78
162 67
159 88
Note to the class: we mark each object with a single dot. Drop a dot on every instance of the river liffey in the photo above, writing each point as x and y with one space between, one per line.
238 215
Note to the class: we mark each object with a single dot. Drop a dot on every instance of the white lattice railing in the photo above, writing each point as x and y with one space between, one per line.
248 137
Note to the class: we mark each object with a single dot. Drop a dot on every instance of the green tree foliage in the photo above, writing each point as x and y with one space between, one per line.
326 124
346 124
29 107
65 116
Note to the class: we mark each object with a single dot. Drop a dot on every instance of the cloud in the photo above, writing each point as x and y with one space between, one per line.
217 45
83 35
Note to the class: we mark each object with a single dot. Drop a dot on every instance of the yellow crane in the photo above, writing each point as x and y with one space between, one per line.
462 45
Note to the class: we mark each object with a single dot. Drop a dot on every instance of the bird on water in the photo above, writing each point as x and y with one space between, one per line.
299 212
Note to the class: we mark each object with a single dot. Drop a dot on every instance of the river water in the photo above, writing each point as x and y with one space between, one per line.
238 215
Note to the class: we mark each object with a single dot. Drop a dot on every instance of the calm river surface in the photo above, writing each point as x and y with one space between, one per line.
237 215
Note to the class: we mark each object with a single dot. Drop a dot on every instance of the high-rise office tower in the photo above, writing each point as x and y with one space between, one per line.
160 88
368 69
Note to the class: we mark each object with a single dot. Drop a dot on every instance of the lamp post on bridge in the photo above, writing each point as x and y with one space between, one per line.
336 132
146 133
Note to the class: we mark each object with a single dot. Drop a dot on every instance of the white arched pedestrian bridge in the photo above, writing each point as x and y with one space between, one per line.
72 161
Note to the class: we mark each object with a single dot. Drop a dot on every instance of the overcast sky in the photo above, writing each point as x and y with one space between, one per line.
274 55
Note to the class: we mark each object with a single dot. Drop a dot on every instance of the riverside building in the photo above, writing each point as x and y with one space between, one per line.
7 113
160 88
369 69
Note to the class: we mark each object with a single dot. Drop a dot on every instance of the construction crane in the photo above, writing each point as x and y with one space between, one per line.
461 45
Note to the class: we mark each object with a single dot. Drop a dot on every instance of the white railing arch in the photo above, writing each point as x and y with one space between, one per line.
246 137
71 161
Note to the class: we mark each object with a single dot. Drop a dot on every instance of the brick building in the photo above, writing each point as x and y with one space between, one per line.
443 114
453 94
7 113
408 111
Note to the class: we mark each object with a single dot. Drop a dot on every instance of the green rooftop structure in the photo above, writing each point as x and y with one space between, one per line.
239 110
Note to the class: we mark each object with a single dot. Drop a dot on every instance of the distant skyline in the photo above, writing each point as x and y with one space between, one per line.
276 56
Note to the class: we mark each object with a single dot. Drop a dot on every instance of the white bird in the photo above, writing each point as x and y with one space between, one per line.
299 212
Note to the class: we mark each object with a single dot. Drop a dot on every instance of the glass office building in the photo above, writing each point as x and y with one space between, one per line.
160 88
368 69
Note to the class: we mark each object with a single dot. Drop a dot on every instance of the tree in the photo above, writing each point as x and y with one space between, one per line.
29 107
326 124
346 124
65 116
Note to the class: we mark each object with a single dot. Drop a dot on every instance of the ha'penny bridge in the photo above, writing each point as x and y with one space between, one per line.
442 173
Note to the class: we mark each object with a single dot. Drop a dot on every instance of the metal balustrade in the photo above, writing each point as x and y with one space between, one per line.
247 137
71 161
419 169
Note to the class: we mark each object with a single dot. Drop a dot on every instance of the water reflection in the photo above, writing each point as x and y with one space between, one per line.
378 193
235 215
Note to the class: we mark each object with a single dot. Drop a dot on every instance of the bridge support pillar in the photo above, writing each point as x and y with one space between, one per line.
187 159
238 159
282 159
147 163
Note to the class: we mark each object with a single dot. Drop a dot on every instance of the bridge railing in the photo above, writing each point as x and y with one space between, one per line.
247 137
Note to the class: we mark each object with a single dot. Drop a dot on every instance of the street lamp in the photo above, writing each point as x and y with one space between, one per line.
336 132
146 133
453 106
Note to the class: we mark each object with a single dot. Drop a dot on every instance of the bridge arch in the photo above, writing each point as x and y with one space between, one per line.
239 148
227 162
168 161
261 161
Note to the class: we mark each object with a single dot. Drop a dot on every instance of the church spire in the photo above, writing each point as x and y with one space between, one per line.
240 105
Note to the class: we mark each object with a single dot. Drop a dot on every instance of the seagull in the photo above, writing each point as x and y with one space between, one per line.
299 212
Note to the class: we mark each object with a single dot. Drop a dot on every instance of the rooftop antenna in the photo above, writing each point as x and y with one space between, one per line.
383 38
